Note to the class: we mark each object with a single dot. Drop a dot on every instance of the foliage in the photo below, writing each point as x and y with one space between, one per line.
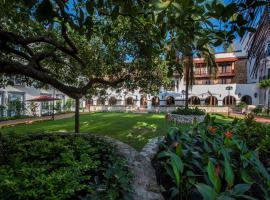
241 105
69 104
265 84
2 110
210 161
61 167
256 134
58 106
15 106
257 110
189 111
33 108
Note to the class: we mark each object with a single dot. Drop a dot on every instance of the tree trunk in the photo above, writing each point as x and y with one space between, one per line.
77 115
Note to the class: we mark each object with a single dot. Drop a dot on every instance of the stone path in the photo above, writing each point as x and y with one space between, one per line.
31 120
144 184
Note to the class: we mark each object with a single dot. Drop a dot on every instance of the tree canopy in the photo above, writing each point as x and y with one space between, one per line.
77 46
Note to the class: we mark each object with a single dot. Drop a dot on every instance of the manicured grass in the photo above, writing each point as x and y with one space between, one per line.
133 129
222 118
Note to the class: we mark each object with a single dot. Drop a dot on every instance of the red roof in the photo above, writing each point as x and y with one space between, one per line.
43 98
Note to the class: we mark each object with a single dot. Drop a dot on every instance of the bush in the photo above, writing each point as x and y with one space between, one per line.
61 167
189 111
210 161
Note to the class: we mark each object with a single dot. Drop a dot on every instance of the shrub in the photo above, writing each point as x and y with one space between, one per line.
189 111
210 162
61 167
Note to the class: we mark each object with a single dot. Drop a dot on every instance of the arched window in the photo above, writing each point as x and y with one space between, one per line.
194 100
155 101
100 101
170 101
229 101
211 101
129 101
112 101
247 99
143 102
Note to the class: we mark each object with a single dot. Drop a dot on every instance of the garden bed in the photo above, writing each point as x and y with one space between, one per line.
61 167
186 116
214 161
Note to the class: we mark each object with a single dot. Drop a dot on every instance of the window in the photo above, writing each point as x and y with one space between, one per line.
223 81
268 73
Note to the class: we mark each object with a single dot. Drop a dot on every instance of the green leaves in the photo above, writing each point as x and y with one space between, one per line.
213 176
229 176
161 5
206 191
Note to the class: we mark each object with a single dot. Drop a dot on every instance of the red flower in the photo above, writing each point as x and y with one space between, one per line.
212 129
228 134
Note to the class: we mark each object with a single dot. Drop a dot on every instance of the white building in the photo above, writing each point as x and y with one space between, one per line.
207 92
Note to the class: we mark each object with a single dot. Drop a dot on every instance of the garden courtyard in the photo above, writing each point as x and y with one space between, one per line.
134 129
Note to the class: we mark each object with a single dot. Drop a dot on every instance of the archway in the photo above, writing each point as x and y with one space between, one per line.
229 101
211 101
129 101
143 102
112 101
155 101
247 99
194 100
170 101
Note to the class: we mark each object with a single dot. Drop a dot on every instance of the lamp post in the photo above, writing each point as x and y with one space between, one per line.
229 88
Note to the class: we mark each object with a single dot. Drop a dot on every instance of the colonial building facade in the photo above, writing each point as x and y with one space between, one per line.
209 91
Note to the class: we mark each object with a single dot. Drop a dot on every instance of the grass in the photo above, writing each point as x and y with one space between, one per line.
133 129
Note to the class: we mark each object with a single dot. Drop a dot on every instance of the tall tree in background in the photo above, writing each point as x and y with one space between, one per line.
80 47
194 27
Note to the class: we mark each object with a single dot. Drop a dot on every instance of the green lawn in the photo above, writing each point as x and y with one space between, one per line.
134 129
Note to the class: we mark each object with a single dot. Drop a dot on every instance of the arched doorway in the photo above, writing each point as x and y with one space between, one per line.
229 101
143 102
129 101
170 101
155 101
112 101
194 100
247 99
101 101
211 101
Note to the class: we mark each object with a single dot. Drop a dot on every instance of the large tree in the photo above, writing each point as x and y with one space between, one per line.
80 47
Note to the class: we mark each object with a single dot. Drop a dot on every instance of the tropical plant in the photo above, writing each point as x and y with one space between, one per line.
189 111
33 108
210 162
15 107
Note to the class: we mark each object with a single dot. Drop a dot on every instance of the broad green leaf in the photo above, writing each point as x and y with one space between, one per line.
229 176
245 176
162 4
206 191
240 189
213 176
176 5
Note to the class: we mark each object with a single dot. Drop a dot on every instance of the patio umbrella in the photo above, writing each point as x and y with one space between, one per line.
44 98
